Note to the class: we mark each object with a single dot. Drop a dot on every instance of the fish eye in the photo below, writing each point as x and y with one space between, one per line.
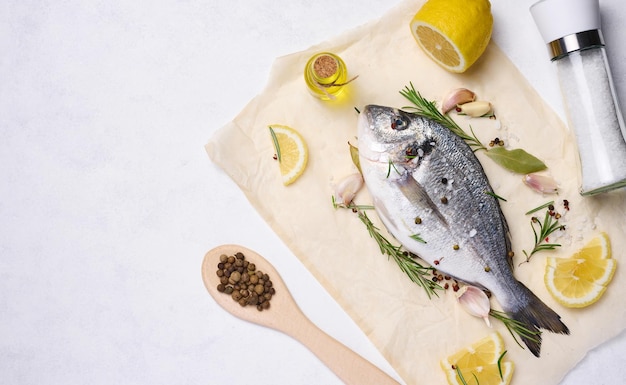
399 123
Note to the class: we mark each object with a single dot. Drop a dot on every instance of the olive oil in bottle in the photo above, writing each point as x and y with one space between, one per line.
326 75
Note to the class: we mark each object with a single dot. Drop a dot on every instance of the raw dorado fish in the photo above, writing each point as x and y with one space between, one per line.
433 196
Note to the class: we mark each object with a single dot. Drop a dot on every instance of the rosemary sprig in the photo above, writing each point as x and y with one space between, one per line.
429 110
549 225
413 269
515 327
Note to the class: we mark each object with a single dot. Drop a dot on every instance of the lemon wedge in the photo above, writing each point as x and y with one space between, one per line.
291 151
454 33
479 361
581 279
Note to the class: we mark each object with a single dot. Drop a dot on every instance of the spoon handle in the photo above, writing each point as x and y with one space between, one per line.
350 367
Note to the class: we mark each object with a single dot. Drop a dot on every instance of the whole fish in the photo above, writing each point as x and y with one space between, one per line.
432 194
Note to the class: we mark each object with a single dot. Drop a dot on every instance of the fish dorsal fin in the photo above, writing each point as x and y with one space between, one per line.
418 196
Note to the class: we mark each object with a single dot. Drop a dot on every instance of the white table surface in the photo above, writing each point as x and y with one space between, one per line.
108 200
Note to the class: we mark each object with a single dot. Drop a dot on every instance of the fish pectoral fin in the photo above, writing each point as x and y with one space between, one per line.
418 196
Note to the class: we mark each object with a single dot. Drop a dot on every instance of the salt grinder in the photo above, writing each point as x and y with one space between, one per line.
571 29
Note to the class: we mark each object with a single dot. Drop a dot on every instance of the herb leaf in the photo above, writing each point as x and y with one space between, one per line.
418 238
276 145
517 160
495 196
458 373
354 154
543 206
500 364
549 225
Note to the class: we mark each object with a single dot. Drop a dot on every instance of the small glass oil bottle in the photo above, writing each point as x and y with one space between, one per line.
325 74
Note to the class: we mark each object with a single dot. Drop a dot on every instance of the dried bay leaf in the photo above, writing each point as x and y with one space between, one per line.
517 160
354 154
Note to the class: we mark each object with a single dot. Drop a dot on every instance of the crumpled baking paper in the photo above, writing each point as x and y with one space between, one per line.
410 330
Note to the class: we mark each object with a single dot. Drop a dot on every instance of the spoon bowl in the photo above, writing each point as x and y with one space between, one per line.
285 316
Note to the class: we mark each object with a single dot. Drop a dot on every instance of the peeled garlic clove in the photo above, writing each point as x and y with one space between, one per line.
457 97
347 189
541 183
475 109
475 302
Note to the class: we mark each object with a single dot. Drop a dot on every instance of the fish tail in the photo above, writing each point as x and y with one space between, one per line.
535 315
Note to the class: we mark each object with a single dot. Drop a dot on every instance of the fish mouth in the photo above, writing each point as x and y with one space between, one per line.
369 146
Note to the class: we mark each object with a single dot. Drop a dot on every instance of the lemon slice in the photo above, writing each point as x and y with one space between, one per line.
485 375
480 360
454 33
291 151
581 280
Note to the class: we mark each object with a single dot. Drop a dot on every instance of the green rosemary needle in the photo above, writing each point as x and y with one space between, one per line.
500 364
495 196
543 206
276 145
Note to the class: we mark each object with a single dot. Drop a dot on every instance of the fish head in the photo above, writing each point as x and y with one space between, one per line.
387 134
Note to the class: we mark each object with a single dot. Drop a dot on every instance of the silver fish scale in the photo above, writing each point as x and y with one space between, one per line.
474 218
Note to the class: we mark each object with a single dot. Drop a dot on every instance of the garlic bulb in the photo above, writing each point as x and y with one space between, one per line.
475 302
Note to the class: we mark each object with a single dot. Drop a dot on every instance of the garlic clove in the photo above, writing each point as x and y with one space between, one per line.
457 97
475 302
475 109
541 183
347 189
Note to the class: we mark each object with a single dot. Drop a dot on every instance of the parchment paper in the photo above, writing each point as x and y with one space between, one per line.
410 330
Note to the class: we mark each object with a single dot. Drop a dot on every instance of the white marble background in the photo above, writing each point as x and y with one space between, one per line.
108 201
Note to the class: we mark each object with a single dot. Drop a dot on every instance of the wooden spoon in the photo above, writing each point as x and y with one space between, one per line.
285 316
